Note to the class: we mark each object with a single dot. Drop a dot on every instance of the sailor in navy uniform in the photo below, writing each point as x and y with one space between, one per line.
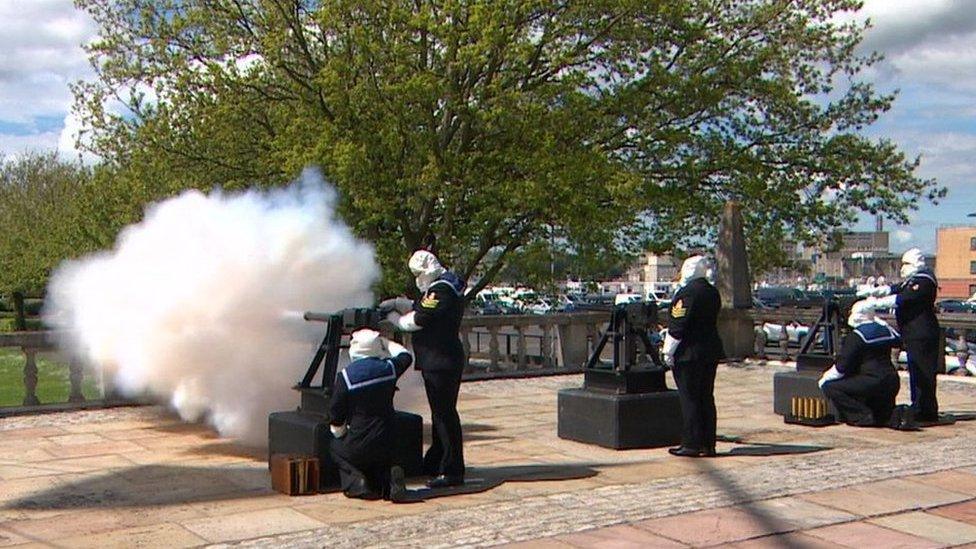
361 418
692 348
914 303
435 320
863 384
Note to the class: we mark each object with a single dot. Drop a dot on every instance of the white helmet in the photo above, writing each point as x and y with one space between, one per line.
367 343
426 268
912 261
862 312
694 267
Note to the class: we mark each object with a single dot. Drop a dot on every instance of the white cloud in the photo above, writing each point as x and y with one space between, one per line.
931 41
40 54
902 236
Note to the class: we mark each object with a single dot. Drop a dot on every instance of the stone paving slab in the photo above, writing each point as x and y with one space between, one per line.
141 473
939 529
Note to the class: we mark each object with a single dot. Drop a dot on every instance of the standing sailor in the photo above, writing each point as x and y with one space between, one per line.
914 303
692 349
361 418
863 384
435 319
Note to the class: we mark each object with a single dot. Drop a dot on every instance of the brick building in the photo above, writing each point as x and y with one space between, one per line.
956 269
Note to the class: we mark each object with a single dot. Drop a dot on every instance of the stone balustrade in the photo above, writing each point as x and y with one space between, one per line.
31 344
495 346
508 344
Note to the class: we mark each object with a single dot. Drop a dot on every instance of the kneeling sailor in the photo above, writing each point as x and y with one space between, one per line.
361 418
863 384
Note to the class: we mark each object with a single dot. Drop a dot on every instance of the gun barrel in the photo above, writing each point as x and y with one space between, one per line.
313 316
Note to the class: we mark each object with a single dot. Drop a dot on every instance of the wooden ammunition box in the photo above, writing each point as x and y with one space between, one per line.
294 475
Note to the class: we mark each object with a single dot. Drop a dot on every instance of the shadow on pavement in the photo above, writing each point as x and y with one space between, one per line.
151 485
482 479
762 449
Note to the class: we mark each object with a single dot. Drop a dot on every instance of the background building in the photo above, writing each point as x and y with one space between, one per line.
956 270
859 253
653 268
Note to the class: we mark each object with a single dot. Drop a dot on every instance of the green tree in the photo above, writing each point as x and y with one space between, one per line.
480 124
42 203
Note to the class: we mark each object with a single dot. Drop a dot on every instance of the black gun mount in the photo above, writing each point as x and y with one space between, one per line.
819 349
637 366
339 326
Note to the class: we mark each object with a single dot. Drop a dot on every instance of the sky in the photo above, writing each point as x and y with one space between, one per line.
930 49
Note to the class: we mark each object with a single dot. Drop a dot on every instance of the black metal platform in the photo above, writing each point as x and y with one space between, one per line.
624 382
620 421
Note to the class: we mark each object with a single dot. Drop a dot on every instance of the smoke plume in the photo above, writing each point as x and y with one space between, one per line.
200 303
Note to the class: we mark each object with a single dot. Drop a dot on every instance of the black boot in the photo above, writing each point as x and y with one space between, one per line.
685 452
398 488
445 481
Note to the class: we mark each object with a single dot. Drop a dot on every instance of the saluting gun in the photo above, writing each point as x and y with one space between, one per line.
338 324
796 395
305 431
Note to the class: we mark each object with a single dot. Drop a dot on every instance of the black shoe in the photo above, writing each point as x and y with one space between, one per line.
445 481
709 452
398 487
685 452
360 490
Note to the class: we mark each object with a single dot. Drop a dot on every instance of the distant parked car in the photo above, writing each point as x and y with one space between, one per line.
954 306
777 296
627 298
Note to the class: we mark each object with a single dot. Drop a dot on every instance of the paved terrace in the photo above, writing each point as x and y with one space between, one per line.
138 477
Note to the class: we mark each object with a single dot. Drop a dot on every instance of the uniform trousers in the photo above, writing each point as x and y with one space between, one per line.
923 363
696 388
445 455
364 469
865 398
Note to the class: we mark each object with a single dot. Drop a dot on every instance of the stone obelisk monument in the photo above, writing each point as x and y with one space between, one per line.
734 283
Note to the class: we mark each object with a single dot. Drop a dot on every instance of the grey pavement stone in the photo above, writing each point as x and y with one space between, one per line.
556 514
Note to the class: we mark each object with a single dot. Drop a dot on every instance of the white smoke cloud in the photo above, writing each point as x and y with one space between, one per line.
192 303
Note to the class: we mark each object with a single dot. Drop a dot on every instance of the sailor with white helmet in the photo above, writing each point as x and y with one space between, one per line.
692 349
435 319
914 303
361 418
863 384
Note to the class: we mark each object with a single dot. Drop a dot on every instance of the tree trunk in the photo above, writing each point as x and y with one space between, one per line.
20 318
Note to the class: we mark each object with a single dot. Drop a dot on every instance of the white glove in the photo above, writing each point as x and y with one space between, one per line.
830 375
669 349
338 431
403 323
402 305
881 291
395 348
888 302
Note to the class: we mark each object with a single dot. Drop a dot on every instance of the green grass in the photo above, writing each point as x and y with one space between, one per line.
53 385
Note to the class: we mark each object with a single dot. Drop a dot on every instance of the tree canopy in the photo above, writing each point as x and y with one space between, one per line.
482 126
42 203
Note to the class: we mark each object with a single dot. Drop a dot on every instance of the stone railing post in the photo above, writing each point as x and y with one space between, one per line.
547 356
30 378
522 361
76 375
493 353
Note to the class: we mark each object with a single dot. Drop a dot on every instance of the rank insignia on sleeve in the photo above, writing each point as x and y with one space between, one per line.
429 302
678 309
